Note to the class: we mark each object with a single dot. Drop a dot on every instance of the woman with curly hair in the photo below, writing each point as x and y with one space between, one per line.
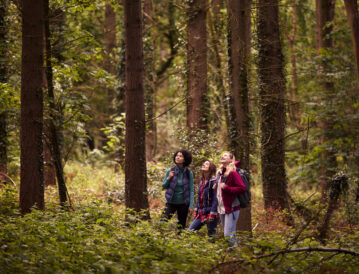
206 206
229 186
180 190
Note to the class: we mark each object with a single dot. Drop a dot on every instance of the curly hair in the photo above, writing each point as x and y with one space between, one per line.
186 155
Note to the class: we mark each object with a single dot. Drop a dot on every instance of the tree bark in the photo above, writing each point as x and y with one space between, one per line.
239 31
54 135
197 63
110 43
3 146
150 80
272 89
110 35
49 168
294 113
215 30
324 19
135 165
31 186
239 49
351 7
3 79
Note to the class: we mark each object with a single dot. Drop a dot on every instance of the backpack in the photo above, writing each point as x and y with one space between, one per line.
244 198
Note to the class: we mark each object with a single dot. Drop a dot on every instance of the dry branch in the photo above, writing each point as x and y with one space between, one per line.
286 251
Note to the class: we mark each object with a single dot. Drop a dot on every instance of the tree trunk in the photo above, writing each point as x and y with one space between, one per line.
239 49
294 113
150 88
272 89
215 28
120 101
54 136
353 18
31 186
110 43
135 165
110 35
154 78
239 30
324 19
3 79
3 146
197 63
49 168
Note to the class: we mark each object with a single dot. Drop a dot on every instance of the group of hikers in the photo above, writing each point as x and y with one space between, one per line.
217 194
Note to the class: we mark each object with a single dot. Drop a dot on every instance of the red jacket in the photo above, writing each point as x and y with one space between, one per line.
234 186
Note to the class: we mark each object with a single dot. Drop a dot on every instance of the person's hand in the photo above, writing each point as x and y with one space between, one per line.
170 175
223 186
190 211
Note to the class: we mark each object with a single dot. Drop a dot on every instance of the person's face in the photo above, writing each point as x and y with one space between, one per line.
205 166
179 159
226 158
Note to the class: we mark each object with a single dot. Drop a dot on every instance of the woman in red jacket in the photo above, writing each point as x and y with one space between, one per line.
229 185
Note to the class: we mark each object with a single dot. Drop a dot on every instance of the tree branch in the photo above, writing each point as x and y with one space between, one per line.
286 251
163 113
7 176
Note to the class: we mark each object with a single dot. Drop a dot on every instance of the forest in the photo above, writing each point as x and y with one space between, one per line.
99 97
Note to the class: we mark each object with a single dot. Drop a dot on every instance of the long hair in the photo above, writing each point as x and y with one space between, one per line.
231 166
212 169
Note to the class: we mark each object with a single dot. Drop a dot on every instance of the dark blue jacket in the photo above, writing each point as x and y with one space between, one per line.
187 181
209 197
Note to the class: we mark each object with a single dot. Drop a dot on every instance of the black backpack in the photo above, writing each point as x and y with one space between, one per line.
244 198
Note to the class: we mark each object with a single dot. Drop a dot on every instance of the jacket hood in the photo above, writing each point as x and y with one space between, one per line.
237 164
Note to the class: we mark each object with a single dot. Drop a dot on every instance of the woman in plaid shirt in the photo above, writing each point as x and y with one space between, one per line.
206 206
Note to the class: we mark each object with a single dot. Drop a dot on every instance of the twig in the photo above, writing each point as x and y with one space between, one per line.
7 176
163 113
295 133
286 251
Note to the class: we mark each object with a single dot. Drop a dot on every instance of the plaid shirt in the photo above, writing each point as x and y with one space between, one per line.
199 212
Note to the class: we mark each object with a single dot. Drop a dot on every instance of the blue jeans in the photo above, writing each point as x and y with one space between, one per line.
211 226
229 223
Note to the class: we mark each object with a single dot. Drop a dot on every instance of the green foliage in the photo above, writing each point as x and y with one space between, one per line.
97 238
201 143
115 135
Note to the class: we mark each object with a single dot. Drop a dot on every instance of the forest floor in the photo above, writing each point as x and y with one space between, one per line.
95 236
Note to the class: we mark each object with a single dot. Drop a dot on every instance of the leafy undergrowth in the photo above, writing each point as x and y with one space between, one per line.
96 237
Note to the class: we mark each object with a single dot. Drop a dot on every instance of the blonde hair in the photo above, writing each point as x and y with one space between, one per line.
231 166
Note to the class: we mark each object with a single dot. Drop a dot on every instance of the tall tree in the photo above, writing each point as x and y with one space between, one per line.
215 30
53 128
353 18
239 50
150 80
294 107
120 95
155 77
3 79
31 186
110 43
197 63
272 89
135 165
324 43
110 35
